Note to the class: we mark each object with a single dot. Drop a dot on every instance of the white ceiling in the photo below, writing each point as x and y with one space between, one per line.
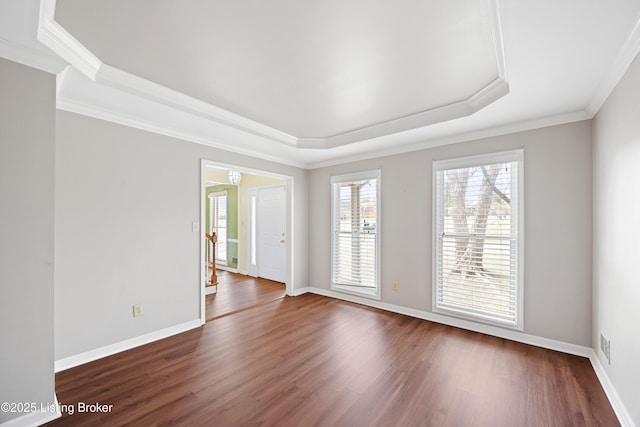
308 68
312 83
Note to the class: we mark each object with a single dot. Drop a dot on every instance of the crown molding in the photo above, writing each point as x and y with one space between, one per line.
426 143
56 38
498 39
124 85
619 67
485 96
413 121
130 83
31 57
66 103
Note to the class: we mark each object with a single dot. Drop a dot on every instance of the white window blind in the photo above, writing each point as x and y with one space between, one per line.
355 253
478 239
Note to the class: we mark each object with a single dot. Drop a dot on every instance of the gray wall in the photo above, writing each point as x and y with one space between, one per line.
616 217
125 201
557 226
27 122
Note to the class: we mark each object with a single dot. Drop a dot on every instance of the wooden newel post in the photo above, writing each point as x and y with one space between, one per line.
213 239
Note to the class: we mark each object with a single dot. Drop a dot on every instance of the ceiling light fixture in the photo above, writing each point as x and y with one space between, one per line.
234 177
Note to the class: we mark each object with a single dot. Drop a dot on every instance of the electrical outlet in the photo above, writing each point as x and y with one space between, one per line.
394 286
605 347
137 310
195 226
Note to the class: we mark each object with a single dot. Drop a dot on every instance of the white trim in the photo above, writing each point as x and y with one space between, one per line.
108 350
368 174
618 69
478 160
253 195
203 243
289 186
302 291
618 406
56 38
130 83
417 120
488 94
217 166
36 418
498 39
119 117
31 57
423 144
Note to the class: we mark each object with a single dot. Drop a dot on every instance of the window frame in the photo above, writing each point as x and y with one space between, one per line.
335 181
439 166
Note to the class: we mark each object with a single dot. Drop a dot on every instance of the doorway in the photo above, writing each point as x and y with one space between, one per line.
262 245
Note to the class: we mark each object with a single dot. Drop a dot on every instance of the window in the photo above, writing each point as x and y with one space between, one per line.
478 223
356 234
218 222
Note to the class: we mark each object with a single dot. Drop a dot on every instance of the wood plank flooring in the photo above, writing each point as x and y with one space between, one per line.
311 360
238 292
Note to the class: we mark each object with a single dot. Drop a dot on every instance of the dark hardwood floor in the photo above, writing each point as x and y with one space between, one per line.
311 360
238 292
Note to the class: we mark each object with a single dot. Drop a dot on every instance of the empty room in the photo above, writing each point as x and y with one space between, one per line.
336 213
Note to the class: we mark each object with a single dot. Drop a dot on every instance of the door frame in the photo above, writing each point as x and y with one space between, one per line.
289 255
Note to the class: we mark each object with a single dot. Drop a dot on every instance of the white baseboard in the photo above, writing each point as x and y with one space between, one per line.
461 323
621 412
208 290
48 411
610 391
300 291
99 353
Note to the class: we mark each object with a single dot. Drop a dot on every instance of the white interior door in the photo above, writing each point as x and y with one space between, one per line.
271 233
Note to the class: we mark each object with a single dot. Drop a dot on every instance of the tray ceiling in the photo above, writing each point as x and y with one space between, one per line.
307 68
316 83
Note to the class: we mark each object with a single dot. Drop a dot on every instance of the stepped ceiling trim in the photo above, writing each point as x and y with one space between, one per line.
59 40
95 89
